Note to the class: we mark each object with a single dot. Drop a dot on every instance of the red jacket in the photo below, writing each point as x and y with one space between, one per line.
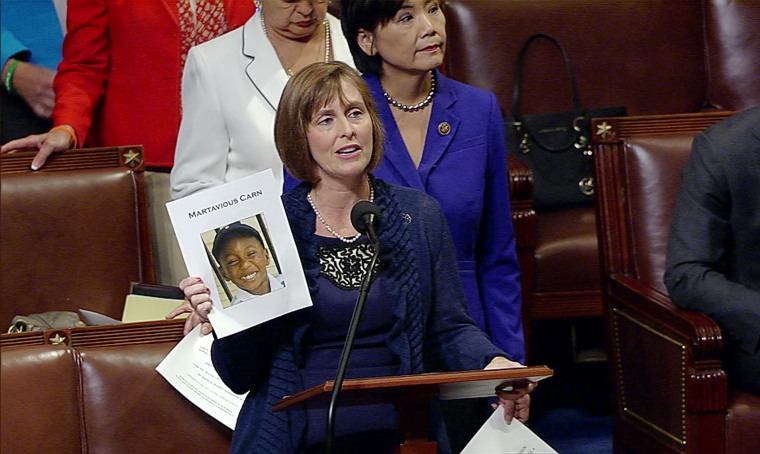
120 77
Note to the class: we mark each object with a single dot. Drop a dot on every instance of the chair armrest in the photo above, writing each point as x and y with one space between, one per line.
520 179
129 157
699 330
665 362
521 204
523 221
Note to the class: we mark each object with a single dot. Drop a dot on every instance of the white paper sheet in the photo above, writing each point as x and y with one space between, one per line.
253 197
188 368
496 437
92 318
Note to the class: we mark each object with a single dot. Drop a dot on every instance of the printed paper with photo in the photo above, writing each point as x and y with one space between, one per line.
236 237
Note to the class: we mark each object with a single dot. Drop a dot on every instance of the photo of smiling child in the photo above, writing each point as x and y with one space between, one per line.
244 266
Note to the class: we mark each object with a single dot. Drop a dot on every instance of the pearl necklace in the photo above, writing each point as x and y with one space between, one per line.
414 107
327 226
327 41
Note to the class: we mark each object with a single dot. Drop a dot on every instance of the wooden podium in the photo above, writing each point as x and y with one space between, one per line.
411 394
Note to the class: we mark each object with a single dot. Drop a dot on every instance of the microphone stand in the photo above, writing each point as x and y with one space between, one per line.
348 345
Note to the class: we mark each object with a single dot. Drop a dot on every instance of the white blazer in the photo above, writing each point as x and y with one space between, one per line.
231 87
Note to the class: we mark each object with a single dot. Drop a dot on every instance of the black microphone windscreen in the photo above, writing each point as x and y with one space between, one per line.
362 213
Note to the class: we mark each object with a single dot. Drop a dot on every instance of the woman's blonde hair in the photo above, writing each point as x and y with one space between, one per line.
306 92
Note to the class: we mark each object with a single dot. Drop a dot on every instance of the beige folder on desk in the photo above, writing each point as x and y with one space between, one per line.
141 308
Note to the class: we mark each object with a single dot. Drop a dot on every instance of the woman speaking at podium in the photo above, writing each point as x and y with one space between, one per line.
329 136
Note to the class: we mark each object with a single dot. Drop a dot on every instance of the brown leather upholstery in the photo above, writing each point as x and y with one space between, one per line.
94 399
651 56
732 37
669 391
72 239
652 188
646 55
564 238
39 399
565 280
742 423
152 416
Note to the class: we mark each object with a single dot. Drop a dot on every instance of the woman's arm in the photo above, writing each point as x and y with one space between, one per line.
498 272
243 360
79 84
452 337
203 143
458 343
84 71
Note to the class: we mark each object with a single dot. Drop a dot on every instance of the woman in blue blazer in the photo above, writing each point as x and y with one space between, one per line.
444 138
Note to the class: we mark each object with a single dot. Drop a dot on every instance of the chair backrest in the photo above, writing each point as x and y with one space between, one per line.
652 175
638 175
40 394
651 56
617 50
96 393
161 418
74 234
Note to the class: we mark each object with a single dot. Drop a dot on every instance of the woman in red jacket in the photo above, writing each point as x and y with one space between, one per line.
119 84
119 80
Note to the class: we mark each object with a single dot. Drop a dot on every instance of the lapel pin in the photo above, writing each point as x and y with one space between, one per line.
444 128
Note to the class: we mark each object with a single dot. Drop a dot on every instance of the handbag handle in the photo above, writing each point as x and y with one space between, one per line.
519 68
518 81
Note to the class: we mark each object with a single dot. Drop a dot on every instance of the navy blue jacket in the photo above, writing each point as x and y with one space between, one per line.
713 258
432 330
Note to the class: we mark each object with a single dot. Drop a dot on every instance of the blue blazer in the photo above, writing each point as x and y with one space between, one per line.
464 167
431 329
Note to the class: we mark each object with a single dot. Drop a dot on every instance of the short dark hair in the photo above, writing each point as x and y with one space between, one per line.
232 232
368 15
305 93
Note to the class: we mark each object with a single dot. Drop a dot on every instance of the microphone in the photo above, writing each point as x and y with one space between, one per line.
365 217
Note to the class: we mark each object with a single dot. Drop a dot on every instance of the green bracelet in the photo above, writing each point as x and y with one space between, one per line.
9 76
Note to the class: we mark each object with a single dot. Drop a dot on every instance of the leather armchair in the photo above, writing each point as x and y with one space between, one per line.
669 391
99 391
74 234
652 57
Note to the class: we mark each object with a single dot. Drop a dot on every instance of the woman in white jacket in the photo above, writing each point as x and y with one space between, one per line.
232 85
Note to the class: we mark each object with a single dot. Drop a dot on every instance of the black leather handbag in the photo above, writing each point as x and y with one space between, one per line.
556 145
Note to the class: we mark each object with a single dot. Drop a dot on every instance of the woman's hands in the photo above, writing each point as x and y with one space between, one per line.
34 84
516 402
197 303
57 139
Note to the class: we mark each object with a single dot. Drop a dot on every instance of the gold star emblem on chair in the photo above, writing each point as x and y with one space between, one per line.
133 158
58 339
604 130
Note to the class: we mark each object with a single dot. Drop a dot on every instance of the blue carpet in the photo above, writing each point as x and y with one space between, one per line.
571 410
574 430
